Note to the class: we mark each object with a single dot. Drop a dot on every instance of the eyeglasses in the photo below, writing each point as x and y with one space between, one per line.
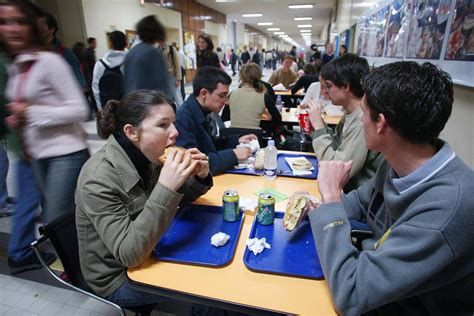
328 86
223 96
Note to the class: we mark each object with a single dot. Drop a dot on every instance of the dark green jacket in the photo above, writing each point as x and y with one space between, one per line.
118 221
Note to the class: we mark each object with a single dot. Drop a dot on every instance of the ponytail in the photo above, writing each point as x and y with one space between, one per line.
106 119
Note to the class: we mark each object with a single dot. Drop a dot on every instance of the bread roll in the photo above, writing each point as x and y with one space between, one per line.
301 164
168 150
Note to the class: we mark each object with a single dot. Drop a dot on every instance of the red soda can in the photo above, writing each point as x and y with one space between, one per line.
305 123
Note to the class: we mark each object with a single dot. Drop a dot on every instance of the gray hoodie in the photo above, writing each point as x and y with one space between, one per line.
112 58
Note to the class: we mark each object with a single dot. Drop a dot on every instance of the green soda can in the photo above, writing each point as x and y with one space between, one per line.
230 202
266 209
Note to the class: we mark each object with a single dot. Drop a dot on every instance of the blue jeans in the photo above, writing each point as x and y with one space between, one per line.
27 202
57 178
3 175
125 295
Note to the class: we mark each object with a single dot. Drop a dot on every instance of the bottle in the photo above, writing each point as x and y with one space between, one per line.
270 160
279 103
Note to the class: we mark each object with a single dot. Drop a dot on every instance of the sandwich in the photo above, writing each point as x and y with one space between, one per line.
294 211
301 164
162 158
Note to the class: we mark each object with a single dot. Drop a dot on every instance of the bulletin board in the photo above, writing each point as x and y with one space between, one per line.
438 31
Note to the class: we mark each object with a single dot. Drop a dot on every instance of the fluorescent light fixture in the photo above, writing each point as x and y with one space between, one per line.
300 6
282 35
305 31
304 19
273 29
251 15
304 25
278 33
265 23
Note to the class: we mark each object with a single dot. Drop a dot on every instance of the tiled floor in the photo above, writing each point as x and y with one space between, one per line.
19 296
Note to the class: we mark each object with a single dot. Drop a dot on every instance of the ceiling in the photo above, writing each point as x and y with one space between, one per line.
277 11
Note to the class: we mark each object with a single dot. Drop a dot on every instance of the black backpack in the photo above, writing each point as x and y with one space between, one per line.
110 84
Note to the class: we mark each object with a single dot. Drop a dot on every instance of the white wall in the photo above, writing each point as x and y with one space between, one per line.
103 16
69 15
240 35
217 30
459 130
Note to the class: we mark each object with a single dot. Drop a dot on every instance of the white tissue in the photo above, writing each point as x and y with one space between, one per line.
279 87
256 245
219 239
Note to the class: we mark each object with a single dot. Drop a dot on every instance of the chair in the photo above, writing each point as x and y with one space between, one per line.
359 232
238 131
63 236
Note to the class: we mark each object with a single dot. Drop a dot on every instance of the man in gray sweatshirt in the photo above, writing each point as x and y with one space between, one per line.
419 205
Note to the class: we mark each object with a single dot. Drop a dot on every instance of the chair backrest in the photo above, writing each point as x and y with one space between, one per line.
63 235
237 131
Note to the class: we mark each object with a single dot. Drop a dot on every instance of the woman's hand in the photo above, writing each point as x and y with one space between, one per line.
177 168
18 113
202 169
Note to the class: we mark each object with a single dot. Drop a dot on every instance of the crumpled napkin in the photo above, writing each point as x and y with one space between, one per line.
219 239
279 87
256 245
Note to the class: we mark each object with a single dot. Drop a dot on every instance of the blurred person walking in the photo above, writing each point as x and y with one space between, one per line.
182 63
171 57
5 209
15 22
48 105
48 27
144 67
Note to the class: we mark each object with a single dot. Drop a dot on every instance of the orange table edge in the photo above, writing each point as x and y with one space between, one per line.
235 284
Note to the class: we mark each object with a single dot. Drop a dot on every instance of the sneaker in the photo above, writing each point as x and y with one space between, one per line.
30 263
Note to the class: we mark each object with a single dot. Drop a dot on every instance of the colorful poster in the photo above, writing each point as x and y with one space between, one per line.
190 50
428 28
397 29
376 35
461 38
362 32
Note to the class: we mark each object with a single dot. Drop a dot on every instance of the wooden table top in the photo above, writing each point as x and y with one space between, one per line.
234 283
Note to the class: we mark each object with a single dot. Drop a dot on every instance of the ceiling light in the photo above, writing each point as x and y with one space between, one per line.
305 31
300 6
273 29
265 23
278 33
304 19
251 15
304 25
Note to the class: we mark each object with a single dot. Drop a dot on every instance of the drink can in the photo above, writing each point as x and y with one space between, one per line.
230 208
305 123
266 209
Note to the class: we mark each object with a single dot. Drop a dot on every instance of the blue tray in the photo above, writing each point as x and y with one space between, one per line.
284 169
292 253
188 238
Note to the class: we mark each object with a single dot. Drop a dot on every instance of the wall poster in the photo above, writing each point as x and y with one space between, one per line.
376 34
132 36
190 50
397 29
461 37
428 28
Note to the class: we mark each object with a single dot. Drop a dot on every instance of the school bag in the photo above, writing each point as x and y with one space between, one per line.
110 84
